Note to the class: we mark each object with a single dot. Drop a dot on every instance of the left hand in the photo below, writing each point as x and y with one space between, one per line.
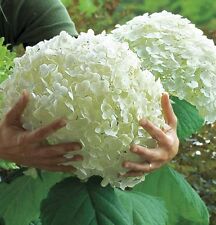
168 143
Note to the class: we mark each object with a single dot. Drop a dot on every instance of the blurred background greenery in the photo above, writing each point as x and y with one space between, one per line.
197 155
104 14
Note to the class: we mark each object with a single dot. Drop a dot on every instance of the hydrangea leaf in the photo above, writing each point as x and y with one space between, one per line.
82 203
189 120
20 199
143 208
183 203
89 203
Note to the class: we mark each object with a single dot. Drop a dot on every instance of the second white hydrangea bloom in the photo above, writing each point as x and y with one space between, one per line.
176 51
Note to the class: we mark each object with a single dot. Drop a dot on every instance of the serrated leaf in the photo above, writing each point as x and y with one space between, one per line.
189 120
184 205
20 200
71 202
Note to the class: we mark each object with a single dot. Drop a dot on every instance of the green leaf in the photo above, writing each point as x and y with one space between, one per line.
189 120
142 208
20 199
184 205
71 202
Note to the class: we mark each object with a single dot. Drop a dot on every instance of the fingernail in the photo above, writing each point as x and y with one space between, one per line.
134 149
69 155
165 93
23 95
121 174
63 122
77 158
24 92
77 147
126 165
143 122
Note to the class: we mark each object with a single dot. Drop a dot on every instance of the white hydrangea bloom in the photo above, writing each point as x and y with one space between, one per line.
96 82
176 51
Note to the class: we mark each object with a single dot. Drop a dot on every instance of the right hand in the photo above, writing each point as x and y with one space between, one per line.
27 148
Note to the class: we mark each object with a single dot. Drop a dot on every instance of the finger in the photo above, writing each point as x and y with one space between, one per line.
60 160
166 128
135 173
59 168
42 133
146 153
140 167
132 174
157 155
155 132
13 117
57 150
169 114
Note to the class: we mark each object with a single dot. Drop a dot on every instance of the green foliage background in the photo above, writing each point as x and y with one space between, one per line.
104 14
197 156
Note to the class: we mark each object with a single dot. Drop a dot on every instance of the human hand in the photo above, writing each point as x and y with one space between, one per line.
168 143
27 148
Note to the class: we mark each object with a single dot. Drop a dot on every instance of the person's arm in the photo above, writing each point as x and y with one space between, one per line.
168 143
31 21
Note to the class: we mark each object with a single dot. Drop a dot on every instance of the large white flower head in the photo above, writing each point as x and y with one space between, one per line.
97 84
176 51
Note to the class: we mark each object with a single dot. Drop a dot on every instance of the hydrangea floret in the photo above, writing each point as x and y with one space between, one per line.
172 48
96 82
